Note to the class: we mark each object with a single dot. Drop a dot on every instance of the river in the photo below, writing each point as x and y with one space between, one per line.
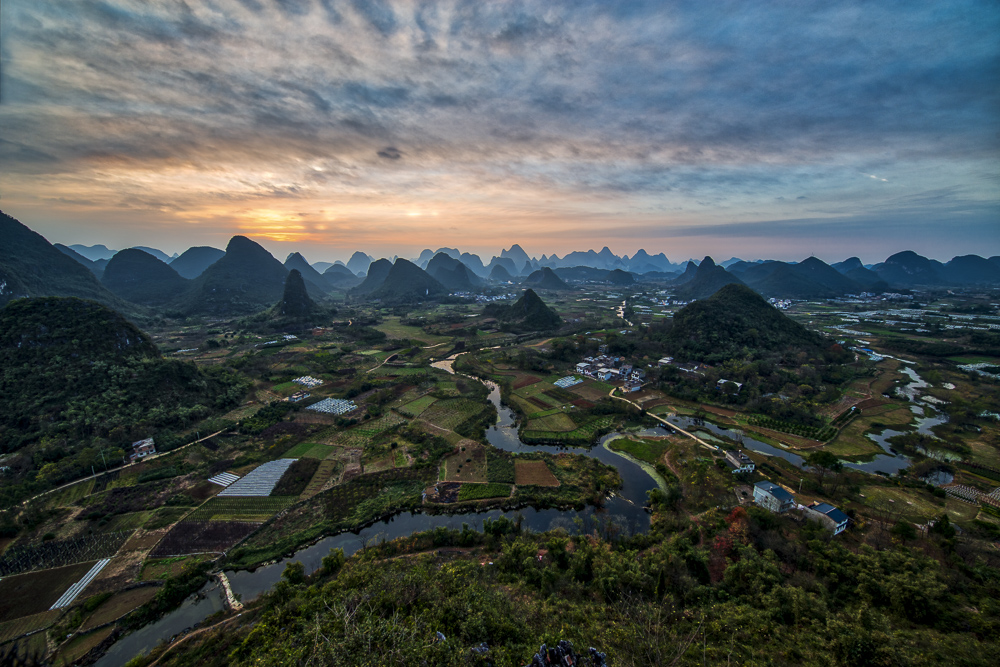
622 513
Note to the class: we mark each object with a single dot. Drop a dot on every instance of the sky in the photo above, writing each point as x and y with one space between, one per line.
752 129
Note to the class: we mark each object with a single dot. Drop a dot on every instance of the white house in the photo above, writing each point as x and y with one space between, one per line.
606 374
772 497
829 516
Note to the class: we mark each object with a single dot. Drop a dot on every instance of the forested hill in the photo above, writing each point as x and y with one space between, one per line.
529 313
734 322
31 266
75 371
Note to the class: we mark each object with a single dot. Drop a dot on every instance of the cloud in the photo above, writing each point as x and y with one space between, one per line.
572 110
390 153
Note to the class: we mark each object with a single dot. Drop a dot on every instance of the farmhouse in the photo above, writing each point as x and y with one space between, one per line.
605 374
832 518
772 497
142 448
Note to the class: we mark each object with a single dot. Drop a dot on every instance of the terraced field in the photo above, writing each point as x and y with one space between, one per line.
327 469
20 626
118 605
558 421
309 450
248 509
417 407
70 495
450 413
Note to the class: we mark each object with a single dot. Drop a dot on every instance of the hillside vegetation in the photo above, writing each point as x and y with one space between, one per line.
76 373
735 322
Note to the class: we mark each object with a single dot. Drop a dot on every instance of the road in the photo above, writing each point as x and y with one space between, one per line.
675 427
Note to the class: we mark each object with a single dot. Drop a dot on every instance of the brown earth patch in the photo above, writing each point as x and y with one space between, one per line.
536 473
34 592
525 381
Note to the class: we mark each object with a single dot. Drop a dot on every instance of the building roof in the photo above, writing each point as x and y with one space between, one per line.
830 511
775 490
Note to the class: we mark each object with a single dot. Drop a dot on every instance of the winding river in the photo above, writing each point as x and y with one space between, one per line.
622 513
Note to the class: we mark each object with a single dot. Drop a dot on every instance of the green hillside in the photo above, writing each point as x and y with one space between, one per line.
139 277
734 322
378 271
247 279
545 278
529 313
708 279
31 266
193 261
78 375
408 282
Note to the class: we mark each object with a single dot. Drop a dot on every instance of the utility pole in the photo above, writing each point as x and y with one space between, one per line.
800 485
104 459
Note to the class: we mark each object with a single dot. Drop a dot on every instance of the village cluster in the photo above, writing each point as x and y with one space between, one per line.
608 368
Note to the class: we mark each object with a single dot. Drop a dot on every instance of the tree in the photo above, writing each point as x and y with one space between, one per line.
824 462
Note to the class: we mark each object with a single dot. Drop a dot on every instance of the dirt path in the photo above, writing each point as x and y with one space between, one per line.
675 427
193 634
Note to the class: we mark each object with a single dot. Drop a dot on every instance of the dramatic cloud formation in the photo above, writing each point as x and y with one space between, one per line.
758 129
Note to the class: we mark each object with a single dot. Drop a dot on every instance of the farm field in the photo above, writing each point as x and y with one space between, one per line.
71 494
483 491
33 593
58 553
466 466
310 450
80 645
193 537
246 509
650 451
916 506
154 569
534 473
392 328
450 413
499 466
19 626
296 478
591 390
327 469
287 388
852 441
559 422
417 407
118 605
581 436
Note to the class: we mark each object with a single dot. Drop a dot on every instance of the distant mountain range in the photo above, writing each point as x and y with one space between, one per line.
245 278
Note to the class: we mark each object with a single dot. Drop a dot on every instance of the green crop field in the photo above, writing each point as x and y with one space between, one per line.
499 466
384 423
287 388
70 495
650 451
557 421
241 509
327 469
309 450
417 407
483 491
450 413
